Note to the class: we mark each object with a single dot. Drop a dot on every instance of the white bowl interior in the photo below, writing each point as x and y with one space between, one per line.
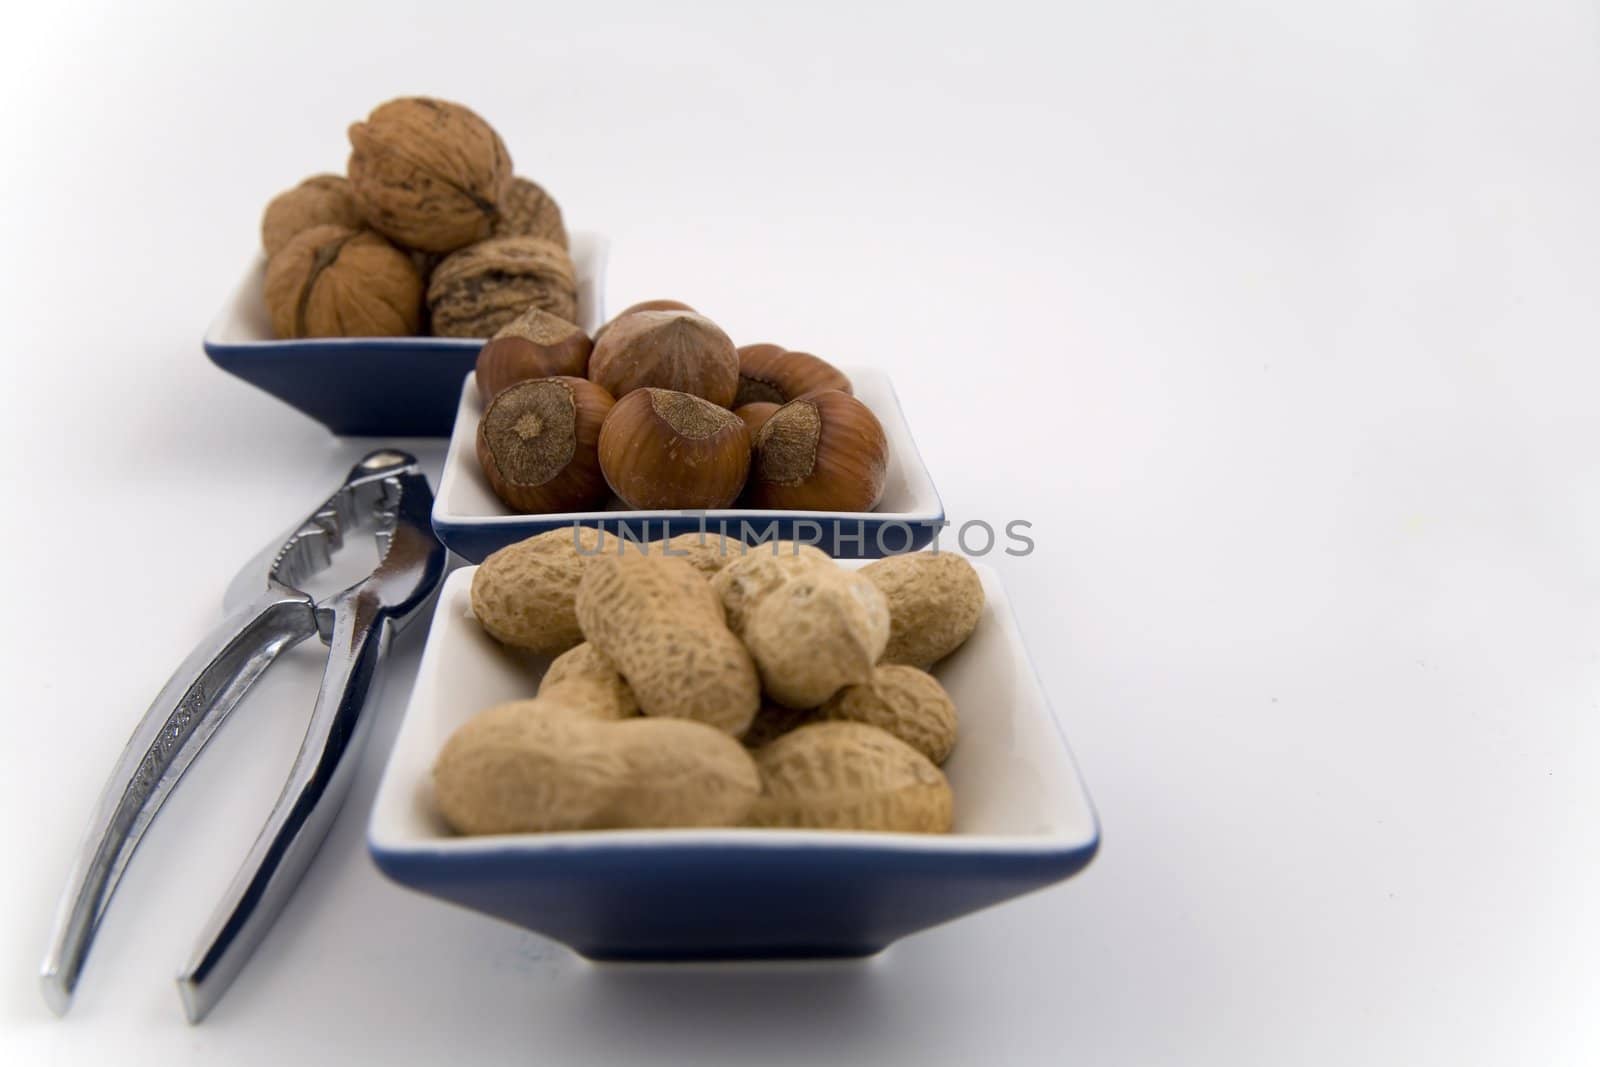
1014 780
465 497
244 319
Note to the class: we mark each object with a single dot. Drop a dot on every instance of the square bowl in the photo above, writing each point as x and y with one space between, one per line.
1023 821
369 386
472 521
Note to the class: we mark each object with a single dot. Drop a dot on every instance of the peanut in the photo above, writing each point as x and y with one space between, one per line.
584 679
523 594
773 721
516 768
659 622
935 600
849 776
707 553
746 579
821 630
904 701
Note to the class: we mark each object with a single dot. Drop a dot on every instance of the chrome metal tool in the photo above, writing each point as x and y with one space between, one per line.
386 494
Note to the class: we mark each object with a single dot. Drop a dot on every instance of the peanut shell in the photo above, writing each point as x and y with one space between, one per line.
935 601
849 776
762 568
583 678
821 630
904 701
524 595
517 769
657 619
773 721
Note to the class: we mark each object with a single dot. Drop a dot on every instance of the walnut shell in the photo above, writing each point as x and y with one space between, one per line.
529 211
479 289
331 281
428 173
320 200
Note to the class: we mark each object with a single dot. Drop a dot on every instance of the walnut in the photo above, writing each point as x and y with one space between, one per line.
479 289
333 281
531 212
428 173
320 200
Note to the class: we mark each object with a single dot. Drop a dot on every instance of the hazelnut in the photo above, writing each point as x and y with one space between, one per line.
756 414
428 173
528 211
538 444
677 350
666 449
535 344
479 289
774 374
822 452
643 305
320 200
330 281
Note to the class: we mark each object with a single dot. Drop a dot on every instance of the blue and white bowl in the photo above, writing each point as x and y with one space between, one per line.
472 521
369 386
1023 821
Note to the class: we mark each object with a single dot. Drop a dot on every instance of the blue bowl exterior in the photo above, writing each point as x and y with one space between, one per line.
475 541
728 901
401 387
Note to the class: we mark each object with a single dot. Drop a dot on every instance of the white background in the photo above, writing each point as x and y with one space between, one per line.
1277 321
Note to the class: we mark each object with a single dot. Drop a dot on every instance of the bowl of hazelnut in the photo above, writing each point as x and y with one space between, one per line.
374 290
660 425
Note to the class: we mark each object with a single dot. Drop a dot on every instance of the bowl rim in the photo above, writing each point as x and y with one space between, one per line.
389 847
913 462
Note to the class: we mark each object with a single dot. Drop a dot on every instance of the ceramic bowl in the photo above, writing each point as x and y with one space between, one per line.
472 521
369 386
1023 821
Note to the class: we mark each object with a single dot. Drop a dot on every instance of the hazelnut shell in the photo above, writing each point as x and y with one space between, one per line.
662 449
676 350
643 305
756 414
822 452
535 344
538 444
773 374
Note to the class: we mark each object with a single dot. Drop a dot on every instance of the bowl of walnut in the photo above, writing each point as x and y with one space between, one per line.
374 289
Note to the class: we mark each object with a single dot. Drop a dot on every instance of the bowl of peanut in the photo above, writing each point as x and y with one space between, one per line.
696 749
